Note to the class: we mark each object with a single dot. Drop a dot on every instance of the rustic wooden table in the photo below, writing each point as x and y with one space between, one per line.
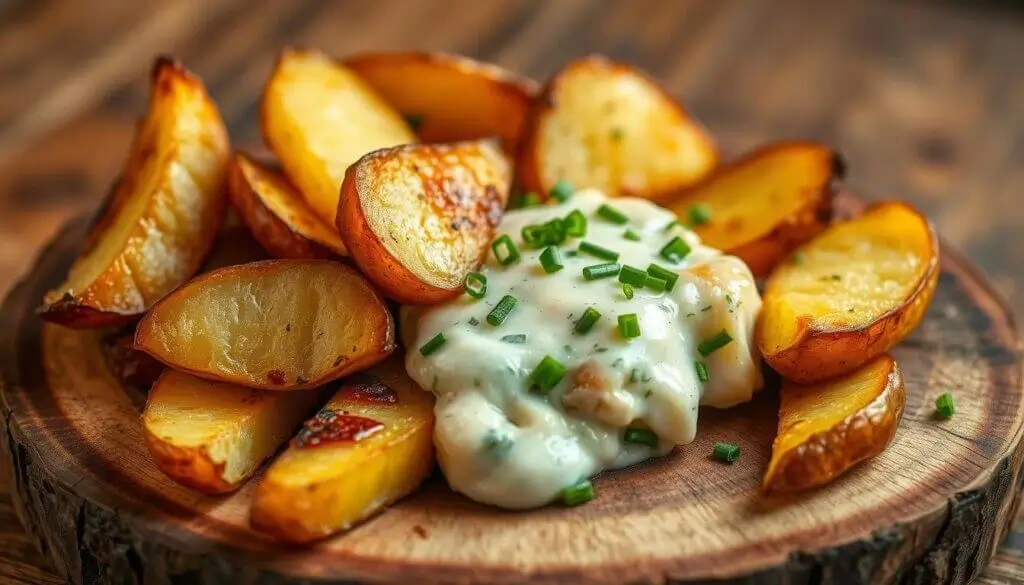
926 101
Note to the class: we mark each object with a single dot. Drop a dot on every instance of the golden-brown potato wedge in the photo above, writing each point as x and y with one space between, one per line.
276 325
318 117
850 294
130 366
211 437
444 199
276 214
607 125
827 428
766 204
448 98
370 445
162 215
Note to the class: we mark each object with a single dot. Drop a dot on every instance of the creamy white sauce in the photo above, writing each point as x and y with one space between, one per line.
498 442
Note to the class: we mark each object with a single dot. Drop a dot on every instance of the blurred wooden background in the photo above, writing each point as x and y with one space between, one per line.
926 99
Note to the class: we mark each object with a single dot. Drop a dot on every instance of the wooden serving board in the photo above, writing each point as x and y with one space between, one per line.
931 509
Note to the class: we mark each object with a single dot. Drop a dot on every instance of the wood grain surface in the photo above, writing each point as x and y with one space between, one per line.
926 99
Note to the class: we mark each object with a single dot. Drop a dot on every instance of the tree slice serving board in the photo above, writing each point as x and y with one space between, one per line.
931 509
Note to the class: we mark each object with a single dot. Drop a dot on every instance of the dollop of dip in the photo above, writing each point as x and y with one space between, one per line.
501 442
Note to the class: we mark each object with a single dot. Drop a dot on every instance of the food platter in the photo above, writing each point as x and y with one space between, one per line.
931 508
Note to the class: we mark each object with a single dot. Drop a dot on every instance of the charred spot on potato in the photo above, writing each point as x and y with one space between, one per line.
369 390
330 426
276 377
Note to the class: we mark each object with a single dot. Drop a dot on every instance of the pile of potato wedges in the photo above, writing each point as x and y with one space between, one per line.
251 297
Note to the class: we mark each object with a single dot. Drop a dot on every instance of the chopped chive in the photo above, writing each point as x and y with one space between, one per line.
414 121
726 452
546 234
665 274
700 214
524 200
475 285
516 338
944 405
654 283
631 234
576 224
505 251
474 321
629 326
611 214
632 276
640 437
587 321
675 250
600 271
668 226
562 191
548 373
702 371
714 343
598 252
579 493
627 290
501 311
550 261
497 444
433 345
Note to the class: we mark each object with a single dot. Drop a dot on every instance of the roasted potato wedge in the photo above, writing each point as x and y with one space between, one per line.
850 294
766 204
827 428
369 446
607 125
449 98
276 215
130 366
319 117
211 437
444 199
275 324
162 215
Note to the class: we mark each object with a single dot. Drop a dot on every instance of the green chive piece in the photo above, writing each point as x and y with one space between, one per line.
629 326
627 290
433 345
640 437
505 251
496 444
501 311
550 260
475 285
515 338
655 284
587 321
714 343
944 405
702 371
611 214
631 234
414 121
550 233
579 493
700 214
474 321
726 452
598 252
675 250
548 373
524 200
601 271
665 274
670 225
632 276
562 191
575 224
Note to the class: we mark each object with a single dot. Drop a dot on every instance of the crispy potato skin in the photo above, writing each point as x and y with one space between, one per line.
803 461
820 350
311 492
492 101
648 147
446 199
162 214
276 215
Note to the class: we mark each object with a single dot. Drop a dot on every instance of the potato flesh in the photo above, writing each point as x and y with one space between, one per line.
278 324
319 117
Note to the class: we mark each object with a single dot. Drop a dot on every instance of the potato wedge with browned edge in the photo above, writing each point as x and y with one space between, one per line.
211 437
766 204
130 366
368 447
608 126
276 215
319 117
827 428
448 98
162 215
444 200
850 294
275 325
